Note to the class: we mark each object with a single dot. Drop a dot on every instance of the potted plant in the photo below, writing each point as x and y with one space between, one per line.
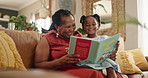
31 27
20 22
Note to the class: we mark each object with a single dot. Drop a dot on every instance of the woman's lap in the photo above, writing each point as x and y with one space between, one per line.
85 72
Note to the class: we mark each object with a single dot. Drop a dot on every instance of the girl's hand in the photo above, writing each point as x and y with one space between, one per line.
113 54
69 60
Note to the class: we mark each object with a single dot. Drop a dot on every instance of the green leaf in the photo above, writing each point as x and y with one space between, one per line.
81 31
13 19
131 20
100 6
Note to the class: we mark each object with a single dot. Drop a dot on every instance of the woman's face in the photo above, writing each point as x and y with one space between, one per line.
90 25
67 27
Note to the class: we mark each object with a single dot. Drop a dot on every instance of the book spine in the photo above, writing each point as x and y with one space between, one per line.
94 51
97 53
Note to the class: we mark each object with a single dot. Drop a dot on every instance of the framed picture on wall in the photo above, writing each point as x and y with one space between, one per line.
67 4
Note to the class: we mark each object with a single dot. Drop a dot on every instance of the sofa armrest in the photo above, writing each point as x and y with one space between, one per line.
26 42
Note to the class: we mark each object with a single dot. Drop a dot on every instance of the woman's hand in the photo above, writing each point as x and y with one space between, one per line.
113 54
69 60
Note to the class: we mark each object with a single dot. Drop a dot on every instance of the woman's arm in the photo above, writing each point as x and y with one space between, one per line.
42 55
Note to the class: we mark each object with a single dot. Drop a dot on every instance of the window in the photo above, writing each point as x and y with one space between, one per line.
105 13
43 23
143 18
40 22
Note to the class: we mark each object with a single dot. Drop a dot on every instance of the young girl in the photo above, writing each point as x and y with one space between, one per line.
90 25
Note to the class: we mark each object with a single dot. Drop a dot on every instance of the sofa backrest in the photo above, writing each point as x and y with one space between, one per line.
121 44
26 42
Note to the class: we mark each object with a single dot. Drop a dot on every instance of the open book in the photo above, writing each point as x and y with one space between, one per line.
92 51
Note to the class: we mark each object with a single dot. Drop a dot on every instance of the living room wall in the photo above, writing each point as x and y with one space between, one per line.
132 33
132 40
27 11
77 14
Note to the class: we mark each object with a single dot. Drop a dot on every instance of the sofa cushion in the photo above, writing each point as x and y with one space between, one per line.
139 59
26 42
9 56
127 63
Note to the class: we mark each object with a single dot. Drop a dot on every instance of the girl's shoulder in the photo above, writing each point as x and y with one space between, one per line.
104 36
101 37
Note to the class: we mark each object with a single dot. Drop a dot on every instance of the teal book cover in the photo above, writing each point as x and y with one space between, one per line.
92 51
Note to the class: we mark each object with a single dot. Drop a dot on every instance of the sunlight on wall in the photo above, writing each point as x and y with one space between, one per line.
43 23
143 17
145 32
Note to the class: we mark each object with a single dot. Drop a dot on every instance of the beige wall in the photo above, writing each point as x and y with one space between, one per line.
130 7
131 30
77 14
27 11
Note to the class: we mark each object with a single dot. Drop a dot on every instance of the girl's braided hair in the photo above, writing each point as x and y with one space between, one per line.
96 16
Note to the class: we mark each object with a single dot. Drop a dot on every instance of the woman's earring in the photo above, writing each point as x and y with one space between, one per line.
57 35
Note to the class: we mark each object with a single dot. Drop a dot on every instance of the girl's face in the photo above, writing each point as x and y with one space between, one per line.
67 27
91 26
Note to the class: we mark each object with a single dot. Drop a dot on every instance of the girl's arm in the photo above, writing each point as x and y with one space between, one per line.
113 55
